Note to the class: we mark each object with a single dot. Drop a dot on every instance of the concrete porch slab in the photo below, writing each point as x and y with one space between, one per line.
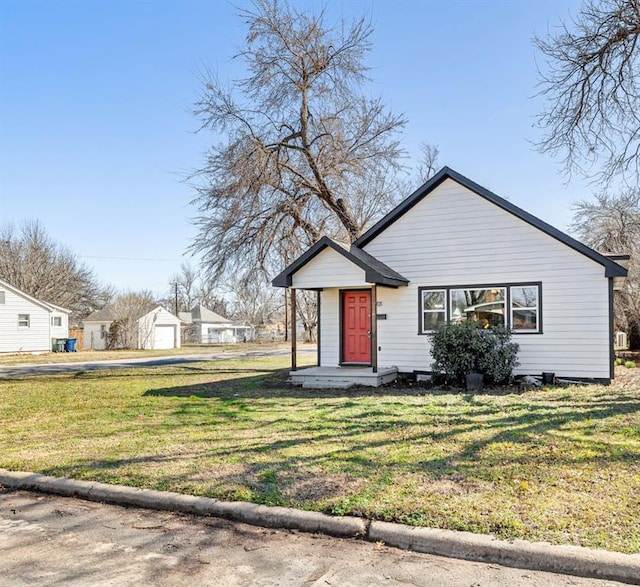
342 377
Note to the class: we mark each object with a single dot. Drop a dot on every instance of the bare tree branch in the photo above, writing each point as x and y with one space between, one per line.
298 143
591 84
611 224
31 261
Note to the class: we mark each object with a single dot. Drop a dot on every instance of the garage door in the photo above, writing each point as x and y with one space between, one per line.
165 336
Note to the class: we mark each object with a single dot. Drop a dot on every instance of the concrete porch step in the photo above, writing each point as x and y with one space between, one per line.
342 377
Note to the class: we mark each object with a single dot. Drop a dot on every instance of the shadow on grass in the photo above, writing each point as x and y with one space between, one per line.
274 383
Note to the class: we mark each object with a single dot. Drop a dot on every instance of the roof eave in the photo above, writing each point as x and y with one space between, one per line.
285 279
612 269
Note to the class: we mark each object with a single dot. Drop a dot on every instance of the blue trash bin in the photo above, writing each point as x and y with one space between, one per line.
70 345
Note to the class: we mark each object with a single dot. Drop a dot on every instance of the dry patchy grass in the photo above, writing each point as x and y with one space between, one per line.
89 355
557 464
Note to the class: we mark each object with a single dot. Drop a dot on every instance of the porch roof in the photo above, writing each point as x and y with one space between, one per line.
375 271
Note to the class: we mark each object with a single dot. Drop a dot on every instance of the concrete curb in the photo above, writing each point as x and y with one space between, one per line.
570 560
539 556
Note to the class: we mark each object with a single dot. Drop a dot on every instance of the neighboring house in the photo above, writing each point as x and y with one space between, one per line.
29 325
204 326
454 251
157 329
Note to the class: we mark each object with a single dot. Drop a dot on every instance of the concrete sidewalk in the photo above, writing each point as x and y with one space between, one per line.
570 560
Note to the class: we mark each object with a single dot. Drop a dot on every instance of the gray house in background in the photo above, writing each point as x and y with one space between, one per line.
204 326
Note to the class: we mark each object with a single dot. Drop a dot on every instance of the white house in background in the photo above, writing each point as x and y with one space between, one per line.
157 329
29 325
204 326
454 251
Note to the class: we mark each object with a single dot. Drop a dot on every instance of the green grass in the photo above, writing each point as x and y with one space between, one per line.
561 465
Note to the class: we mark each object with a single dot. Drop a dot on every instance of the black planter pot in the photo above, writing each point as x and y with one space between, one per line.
475 382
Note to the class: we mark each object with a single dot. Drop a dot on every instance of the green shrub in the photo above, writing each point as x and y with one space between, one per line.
619 361
630 364
459 349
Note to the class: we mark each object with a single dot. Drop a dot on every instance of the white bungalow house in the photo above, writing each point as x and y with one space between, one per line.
155 329
29 325
203 326
455 251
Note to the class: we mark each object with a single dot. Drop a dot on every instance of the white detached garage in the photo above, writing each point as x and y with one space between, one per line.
159 329
156 329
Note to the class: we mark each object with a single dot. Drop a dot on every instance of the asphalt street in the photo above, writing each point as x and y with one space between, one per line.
10 371
48 540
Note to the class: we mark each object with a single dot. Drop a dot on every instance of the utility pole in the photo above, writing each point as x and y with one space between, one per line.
175 283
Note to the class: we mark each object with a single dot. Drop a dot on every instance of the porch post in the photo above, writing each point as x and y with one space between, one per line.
292 321
374 328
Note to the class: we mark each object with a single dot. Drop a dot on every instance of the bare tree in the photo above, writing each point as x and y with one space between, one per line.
185 285
125 310
300 145
192 288
33 262
307 311
255 301
611 224
592 89
428 164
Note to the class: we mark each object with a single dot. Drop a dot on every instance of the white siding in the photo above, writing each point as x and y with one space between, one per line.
330 329
329 269
455 237
218 332
61 331
148 323
15 339
92 335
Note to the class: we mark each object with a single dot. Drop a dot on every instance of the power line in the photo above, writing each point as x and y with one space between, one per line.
126 258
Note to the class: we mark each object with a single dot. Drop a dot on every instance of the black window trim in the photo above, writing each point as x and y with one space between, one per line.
508 309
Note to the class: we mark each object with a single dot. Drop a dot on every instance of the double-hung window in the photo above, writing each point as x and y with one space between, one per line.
514 306
24 320
56 320
434 311
525 308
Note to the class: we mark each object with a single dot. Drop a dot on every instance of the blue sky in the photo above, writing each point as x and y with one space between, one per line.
96 131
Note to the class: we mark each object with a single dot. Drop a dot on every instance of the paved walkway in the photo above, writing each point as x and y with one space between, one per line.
49 541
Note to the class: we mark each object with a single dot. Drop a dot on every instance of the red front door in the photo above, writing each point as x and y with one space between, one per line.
356 326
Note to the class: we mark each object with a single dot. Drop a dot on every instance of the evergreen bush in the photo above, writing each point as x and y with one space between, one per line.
462 348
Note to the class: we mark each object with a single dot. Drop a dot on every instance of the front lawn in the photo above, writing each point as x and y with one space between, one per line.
561 465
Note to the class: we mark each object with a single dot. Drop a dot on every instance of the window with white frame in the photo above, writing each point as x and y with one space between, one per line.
515 306
24 320
3 299
56 320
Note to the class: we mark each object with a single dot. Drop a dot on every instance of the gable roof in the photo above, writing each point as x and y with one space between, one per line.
612 269
108 314
201 314
46 305
375 271
105 314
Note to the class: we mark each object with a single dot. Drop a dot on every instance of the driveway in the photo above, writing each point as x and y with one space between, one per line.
48 541
9 371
